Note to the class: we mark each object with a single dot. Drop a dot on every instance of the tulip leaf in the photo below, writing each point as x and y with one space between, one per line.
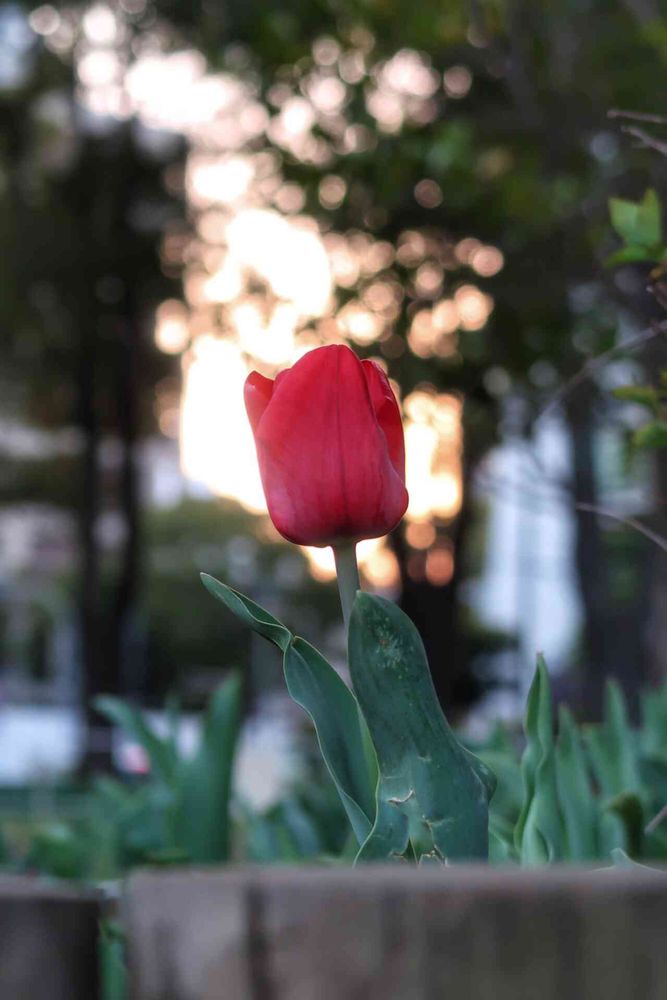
538 833
575 792
433 795
620 859
314 685
654 723
612 747
160 752
251 614
627 807
205 780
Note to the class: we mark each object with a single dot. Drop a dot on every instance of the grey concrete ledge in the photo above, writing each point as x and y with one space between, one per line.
398 933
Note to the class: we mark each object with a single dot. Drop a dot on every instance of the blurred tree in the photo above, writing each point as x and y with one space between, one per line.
514 151
82 221
521 150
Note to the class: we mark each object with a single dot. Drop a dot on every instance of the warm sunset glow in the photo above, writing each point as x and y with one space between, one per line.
439 567
377 563
432 444
264 281
217 447
420 534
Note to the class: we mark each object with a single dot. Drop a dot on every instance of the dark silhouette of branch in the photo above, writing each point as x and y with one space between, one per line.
599 361
646 141
638 116
629 522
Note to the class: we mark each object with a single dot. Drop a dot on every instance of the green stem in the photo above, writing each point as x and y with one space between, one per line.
348 577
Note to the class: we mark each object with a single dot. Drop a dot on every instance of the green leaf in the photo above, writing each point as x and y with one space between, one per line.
113 971
628 808
501 840
539 831
314 684
654 722
339 724
160 752
251 614
653 435
612 747
633 255
638 223
575 793
433 794
202 821
620 859
645 395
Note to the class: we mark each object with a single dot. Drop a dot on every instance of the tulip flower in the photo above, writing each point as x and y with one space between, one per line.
330 448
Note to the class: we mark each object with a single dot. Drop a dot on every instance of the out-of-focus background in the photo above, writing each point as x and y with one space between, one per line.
189 191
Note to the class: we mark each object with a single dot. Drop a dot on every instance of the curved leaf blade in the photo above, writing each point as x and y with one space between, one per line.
317 688
538 833
160 752
251 614
575 792
431 793
205 781
314 685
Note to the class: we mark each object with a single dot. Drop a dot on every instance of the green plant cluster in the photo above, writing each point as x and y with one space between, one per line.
404 785
580 793
639 224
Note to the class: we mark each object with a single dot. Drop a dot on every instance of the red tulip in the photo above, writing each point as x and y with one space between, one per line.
330 448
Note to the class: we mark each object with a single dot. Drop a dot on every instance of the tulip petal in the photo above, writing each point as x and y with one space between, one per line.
387 413
323 455
257 392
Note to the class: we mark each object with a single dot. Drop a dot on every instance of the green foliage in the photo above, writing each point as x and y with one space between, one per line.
653 435
538 833
576 794
639 225
113 971
644 395
57 849
184 813
306 825
316 687
588 791
578 805
432 797
432 794
612 747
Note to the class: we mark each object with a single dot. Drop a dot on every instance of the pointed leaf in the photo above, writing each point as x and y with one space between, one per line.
317 688
575 792
637 222
538 834
432 793
205 781
251 614
314 684
160 753
628 808
612 747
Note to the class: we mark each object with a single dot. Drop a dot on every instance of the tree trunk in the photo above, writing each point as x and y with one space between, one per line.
590 557
97 744
126 646
436 612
